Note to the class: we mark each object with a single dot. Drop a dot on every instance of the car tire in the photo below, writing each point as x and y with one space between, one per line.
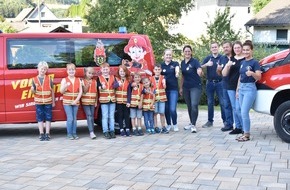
282 121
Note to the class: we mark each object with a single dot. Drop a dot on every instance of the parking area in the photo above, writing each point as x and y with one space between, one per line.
210 159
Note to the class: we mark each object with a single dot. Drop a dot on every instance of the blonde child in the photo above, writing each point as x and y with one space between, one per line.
42 88
89 98
123 112
148 101
106 84
159 84
135 104
71 88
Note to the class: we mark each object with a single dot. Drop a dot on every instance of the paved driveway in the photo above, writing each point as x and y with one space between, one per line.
210 159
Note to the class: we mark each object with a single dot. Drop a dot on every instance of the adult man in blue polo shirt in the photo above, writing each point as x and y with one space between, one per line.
213 83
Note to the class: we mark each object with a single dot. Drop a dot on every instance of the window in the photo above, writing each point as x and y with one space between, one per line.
65 26
42 14
282 35
27 53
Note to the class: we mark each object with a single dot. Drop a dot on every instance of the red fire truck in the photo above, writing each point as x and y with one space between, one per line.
274 91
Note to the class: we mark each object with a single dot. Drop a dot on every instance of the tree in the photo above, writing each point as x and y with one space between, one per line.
151 17
220 29
259 4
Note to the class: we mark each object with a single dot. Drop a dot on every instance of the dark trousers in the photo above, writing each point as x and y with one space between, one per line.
123 113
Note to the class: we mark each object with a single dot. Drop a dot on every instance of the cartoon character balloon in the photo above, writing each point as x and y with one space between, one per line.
137 49
99 53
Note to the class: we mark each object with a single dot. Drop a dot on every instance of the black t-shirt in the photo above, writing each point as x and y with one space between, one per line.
234 73
169 74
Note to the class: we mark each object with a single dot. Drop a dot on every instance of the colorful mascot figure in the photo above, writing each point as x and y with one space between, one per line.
99 53
137 49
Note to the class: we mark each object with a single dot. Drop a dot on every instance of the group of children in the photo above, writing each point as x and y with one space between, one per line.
132 96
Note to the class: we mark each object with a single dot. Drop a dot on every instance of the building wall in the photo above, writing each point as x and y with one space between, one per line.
268 35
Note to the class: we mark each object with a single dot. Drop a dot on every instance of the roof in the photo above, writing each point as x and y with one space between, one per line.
275 13
234 3
23 14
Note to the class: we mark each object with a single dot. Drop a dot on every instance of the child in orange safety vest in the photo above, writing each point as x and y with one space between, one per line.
159 84
71 88
148 104
42 88
135 104
106 84
89 98
123 112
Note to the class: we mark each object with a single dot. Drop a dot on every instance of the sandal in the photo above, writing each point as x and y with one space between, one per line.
243 138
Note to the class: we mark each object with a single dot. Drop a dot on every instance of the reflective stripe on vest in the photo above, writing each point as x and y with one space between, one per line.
42 93
108 94
121 93
72 91
160 94
89 98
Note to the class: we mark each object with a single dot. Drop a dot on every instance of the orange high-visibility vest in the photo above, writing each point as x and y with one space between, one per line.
159 89
72 91
136 95
108 94
43 91
121 93
147 100
89 98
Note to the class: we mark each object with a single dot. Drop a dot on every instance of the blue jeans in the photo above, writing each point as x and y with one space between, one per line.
247 96
228 109
108 115
211 89
236 109
149 119
71 119
192 98
170 107
90 112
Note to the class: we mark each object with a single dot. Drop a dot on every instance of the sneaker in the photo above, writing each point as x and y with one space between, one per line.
107 135
75 137
168 127
175 128
42 137
164 130
70 137
227 128
128 133
140 132
236 131
152 131
112 134
187 127
207 124
193 129
92 135
47 137
148 131
135 132
123 133
157 130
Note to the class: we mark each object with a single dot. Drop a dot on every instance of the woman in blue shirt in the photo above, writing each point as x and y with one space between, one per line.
191 85
170 70
250 72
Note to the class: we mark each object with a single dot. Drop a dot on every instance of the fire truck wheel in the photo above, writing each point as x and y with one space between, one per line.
282 121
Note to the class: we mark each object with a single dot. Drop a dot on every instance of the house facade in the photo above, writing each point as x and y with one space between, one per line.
192 24
271 25
41 19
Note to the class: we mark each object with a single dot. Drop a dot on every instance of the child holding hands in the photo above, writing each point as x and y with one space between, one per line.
71 89
89 98
42 88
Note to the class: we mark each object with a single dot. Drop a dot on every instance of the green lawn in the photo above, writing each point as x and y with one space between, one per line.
201 107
